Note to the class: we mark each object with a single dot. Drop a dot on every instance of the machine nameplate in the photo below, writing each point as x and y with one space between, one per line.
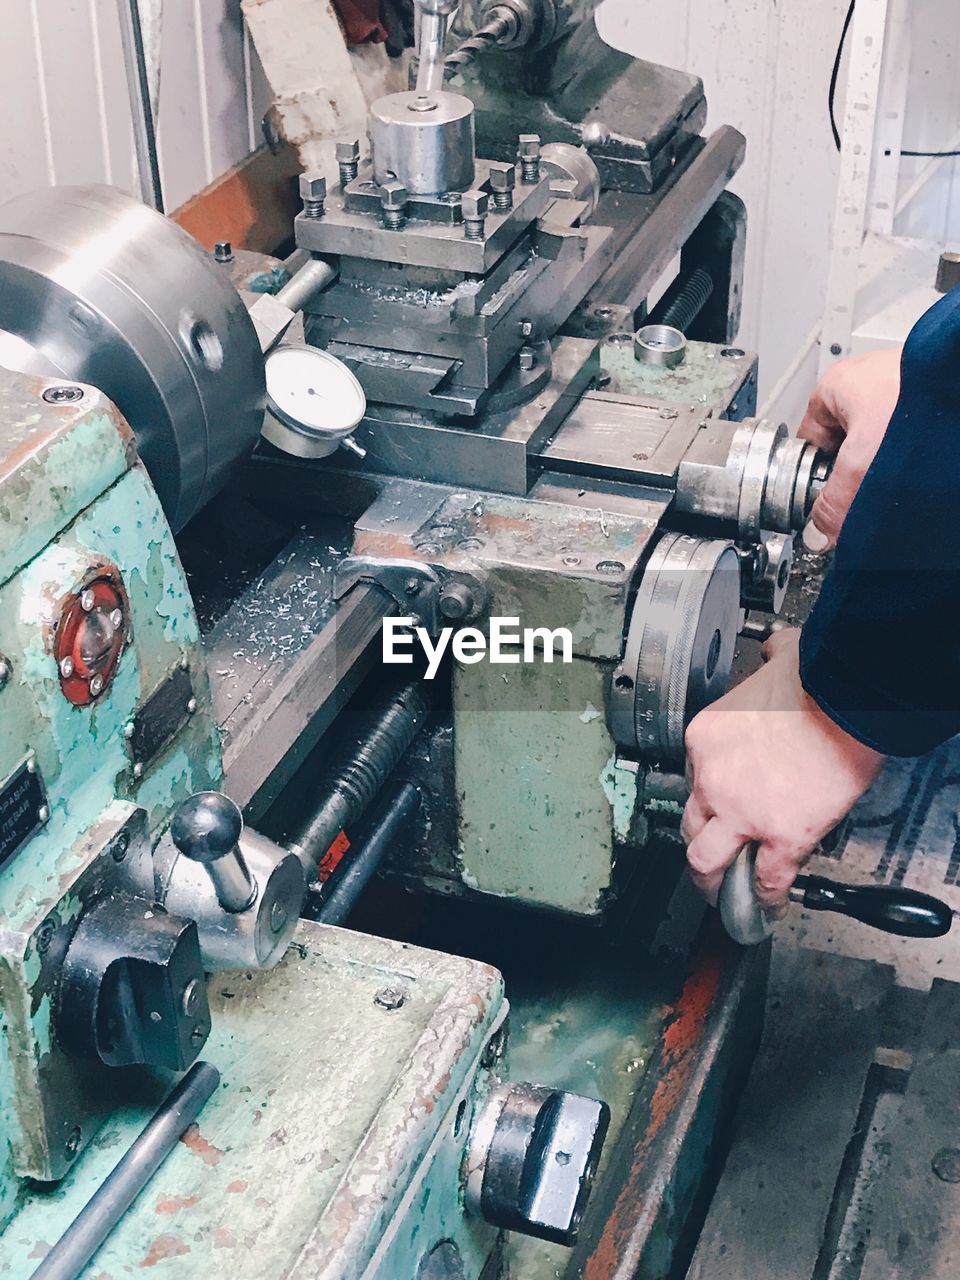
23 809
162 716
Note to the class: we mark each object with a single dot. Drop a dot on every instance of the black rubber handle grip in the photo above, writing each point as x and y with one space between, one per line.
902 911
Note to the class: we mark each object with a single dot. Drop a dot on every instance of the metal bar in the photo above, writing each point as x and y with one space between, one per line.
365 859
141 111
98 1217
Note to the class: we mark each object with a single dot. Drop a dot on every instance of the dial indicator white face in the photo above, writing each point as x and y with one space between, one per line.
313 391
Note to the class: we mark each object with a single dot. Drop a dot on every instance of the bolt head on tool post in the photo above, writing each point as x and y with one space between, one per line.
348 152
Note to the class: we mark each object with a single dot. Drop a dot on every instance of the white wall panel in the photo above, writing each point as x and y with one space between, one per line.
766 69
63 95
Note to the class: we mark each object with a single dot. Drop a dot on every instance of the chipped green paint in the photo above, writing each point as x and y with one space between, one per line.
534 823
619 784
707 378
55 459
333 1148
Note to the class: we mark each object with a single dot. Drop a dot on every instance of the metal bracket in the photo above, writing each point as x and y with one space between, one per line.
413 585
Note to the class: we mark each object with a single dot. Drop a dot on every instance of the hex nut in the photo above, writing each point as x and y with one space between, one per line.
529 146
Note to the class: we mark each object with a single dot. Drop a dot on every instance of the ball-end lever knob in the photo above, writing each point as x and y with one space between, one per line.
207 829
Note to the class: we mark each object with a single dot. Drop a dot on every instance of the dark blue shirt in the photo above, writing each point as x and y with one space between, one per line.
881 650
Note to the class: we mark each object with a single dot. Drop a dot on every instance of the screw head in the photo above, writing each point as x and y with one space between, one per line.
412 587
45 935
138 770
278 916
120 846
348 152
87 600
389 998
96 685
529 148
63 395
66 667
474 204
456 601
503 177
836 349
393 195
190 1000
72 1145
191 706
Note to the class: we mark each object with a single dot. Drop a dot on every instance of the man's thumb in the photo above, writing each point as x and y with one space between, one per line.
830 509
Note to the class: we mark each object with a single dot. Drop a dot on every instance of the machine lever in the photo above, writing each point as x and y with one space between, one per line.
894 910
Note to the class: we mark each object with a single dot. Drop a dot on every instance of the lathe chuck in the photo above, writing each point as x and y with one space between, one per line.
97 288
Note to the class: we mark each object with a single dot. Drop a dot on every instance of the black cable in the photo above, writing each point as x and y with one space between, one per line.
835 76
832 97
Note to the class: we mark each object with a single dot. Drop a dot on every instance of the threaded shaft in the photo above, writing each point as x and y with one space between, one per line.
689 302
473 228
393 219
500 26
503 199
313 208
529 169
352 785
348 172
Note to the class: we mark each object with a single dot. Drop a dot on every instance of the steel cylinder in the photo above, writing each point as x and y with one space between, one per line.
424 140
100 289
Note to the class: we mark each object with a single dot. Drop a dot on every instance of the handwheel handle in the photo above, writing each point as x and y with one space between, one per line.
890 908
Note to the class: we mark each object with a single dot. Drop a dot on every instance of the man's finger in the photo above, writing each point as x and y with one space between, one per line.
785 638
820 424
709 855
774 873
696 815
834 501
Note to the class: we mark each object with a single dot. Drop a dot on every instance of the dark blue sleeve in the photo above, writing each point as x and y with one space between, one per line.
881 650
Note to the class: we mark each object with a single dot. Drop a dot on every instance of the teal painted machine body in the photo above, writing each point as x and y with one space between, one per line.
73 500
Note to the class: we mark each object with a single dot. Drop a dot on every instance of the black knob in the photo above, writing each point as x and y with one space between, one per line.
207 828
132 988
542 1157
894 910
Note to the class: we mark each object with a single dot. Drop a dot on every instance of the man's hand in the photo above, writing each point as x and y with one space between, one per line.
765 764
848 414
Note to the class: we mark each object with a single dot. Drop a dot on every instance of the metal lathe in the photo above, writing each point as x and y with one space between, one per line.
461 398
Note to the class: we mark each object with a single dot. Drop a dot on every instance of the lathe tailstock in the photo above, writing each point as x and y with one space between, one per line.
453 430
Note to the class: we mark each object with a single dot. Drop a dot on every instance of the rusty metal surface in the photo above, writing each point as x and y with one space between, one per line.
331 1150
643 1210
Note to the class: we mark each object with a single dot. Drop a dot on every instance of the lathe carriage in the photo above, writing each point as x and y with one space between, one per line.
223 480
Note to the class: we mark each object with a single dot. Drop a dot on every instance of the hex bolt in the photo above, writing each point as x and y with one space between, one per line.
503 179
527 359
389 998
393 202
313 193
474 207
456 600
529 153
223 251
348 160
